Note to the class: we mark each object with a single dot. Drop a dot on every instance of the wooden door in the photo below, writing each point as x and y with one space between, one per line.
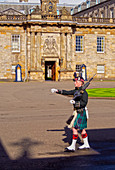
53 71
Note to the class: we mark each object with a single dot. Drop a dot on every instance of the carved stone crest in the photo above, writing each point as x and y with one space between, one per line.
50 46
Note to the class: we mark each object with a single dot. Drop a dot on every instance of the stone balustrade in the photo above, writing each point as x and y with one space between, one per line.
13 17
94 20
57 18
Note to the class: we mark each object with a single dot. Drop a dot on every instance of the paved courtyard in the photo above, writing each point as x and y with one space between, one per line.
33 132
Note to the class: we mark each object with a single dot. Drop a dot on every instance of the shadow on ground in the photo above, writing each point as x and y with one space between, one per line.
101 140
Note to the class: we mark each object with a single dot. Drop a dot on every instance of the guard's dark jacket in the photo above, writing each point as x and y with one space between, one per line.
81 102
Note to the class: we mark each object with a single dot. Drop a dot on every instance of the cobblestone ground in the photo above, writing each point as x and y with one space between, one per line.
33 132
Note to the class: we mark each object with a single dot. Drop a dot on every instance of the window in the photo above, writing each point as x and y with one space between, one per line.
78 68
79 43
57 12
50 3
97 1
112 13
79 8
15 43
100 44
88 4
100 69
72 11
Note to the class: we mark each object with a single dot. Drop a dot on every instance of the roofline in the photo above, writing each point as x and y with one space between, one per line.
13 10
18 3
26 3
90 7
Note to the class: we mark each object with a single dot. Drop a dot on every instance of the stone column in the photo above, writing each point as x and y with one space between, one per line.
38 51
73 46
66 50
99 13
69 51
108 13
35 57
105 12
63 49
32 62
28 46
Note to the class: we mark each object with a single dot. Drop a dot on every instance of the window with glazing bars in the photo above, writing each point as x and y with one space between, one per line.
78 68
100 44
15 43
79 43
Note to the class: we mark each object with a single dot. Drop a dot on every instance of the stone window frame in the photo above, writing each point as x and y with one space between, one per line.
81 44
15 43
100 44
100 68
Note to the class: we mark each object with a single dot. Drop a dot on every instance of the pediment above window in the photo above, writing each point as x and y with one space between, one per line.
11 11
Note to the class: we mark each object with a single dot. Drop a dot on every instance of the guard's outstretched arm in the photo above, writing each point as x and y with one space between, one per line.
63 92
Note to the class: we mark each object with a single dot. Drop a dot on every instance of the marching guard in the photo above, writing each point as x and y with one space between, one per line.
80 115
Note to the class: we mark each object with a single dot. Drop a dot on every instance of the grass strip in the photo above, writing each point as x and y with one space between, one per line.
101 92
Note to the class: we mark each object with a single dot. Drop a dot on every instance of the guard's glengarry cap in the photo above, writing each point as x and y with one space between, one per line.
79 78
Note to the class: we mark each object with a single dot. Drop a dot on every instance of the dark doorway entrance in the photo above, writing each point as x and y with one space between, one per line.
50 70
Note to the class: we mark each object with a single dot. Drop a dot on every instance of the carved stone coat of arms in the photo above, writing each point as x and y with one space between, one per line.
50 46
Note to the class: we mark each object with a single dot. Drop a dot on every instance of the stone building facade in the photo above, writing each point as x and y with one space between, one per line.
48 46
96 9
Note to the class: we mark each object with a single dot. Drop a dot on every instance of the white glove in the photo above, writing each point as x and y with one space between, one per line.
72 101
54 90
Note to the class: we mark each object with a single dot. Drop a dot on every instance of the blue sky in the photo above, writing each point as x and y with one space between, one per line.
60 1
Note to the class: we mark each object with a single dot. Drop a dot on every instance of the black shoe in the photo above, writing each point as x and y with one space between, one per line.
68 150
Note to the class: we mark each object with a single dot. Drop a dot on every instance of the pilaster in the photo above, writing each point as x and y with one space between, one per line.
69 51
28 46
63 50
38 50
32 62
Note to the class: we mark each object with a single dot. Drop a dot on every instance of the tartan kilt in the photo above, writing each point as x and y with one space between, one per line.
81 120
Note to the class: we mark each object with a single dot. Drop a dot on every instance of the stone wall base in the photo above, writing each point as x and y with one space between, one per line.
36 75
65 75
